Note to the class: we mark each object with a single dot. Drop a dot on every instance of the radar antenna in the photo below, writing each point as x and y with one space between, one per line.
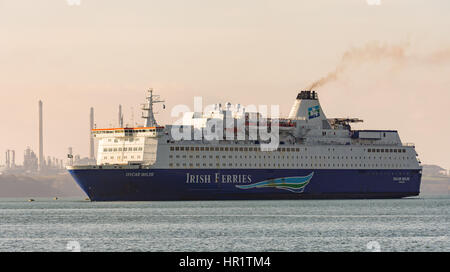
148 108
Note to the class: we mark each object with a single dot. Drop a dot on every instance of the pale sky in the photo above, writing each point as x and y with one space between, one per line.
103 53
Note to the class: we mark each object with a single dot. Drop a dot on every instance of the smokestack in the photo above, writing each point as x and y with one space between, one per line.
7 159
120 117
91 139
13 161
41 144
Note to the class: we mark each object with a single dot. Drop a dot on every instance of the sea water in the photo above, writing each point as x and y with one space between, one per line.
411 224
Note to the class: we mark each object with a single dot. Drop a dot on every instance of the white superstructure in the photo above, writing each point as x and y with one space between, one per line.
307 140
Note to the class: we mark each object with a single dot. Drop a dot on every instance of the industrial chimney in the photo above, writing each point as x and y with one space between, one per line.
13 160
7 160
91 138
41 144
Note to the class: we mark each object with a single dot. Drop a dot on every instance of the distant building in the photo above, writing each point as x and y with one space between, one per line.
30 161
434 171
31 164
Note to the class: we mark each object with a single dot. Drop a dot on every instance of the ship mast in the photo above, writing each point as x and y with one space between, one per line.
147 108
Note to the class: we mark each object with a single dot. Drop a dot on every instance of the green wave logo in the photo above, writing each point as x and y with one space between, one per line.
293 184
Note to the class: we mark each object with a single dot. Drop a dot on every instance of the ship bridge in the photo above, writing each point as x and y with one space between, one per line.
127 145
131 145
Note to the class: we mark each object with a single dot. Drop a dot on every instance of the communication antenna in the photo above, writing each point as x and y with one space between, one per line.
147 108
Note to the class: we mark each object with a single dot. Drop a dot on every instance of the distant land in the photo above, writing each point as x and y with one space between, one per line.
435 181
18 185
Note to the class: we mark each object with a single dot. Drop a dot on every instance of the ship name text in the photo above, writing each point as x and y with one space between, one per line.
217 177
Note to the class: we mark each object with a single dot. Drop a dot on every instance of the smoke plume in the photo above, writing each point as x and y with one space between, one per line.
373 52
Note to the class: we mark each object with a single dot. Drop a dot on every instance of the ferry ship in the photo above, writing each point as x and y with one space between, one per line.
312 157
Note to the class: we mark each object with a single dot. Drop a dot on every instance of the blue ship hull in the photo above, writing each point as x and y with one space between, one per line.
244 184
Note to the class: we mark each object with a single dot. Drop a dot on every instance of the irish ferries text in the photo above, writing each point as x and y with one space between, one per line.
217 177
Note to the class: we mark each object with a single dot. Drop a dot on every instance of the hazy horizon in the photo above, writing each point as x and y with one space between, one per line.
103 53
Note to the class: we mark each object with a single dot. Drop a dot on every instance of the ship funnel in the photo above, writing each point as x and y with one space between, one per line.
307 107
41 139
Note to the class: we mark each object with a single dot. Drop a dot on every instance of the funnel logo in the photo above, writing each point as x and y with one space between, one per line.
293 184
313 112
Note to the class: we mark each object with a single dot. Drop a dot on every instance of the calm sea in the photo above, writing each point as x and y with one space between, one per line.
414 224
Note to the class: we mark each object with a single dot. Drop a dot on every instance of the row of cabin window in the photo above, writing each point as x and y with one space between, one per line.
291 157
126 131
292 165
125 140
282 149
118 157
182 148
145 130
124 149
387 150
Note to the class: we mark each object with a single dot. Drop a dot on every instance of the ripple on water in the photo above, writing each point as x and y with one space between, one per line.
416 224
